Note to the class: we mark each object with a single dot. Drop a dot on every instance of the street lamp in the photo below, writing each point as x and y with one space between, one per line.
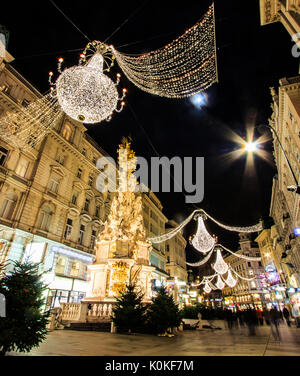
252 146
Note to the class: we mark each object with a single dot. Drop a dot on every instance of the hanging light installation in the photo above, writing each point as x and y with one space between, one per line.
230 281
207 288
182 68
220 284
220 265
24 127
85 92
202 240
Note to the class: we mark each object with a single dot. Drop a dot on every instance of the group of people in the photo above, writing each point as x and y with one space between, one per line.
253 318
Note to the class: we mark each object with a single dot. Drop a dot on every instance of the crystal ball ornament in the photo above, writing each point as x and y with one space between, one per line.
85 93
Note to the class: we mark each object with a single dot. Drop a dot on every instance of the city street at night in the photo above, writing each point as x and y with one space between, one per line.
150 183
188 343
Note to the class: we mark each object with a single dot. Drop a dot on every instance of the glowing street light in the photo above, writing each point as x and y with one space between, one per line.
251 147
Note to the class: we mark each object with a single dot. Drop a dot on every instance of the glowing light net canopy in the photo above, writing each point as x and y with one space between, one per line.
182 68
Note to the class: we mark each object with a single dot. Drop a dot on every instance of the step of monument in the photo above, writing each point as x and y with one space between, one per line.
90 326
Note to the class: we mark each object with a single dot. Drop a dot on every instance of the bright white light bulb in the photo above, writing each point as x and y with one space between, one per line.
250 147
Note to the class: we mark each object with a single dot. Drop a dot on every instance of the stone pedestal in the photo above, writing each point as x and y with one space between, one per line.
114 268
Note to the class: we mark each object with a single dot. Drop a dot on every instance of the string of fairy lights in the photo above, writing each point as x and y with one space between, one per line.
85 92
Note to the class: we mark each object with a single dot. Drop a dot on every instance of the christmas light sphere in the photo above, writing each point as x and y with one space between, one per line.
85 93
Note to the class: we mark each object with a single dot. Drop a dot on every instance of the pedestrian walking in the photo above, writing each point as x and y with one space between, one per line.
250 318
260 316
274 320
266 315
286 315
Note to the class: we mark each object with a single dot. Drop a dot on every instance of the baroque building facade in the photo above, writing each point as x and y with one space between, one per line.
247 292
50 208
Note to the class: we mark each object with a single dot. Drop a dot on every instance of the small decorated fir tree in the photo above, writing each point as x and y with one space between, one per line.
129 312
24 326
163 313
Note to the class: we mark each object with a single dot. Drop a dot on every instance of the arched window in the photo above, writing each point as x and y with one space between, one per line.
67 132
8 206
45 218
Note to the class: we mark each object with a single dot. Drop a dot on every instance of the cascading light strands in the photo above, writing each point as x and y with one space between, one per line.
220 265
202 241
26 126
184 67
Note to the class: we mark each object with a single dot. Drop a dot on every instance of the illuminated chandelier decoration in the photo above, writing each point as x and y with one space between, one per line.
230 281
220 284
207 288
85 92
202 241
24 127
220 265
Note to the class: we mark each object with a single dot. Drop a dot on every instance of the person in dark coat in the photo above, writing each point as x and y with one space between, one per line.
286 315
274 320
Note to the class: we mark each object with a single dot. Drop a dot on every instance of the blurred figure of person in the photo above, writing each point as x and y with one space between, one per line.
266 315
274 320
286 315
240 316
296 314
229 318
251 319
199 319
260 316
234 320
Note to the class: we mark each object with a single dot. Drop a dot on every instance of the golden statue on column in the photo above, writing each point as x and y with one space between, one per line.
122 249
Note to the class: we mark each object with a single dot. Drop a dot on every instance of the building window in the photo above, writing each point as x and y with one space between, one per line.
81 234
83 151
45 218
53 184
6 88
95 160
75 269
60 265
67 132
25 102
60 158
8 206
3 155
97 212
79 173
87 204
93 239
91 180
75 197
22 167
68 229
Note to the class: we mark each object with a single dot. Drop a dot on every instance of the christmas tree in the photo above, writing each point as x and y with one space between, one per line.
24 326
163 313
129 311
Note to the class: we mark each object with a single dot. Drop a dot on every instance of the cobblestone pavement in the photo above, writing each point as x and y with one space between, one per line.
203 342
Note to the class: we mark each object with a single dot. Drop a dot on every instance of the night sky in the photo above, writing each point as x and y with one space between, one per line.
251 58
